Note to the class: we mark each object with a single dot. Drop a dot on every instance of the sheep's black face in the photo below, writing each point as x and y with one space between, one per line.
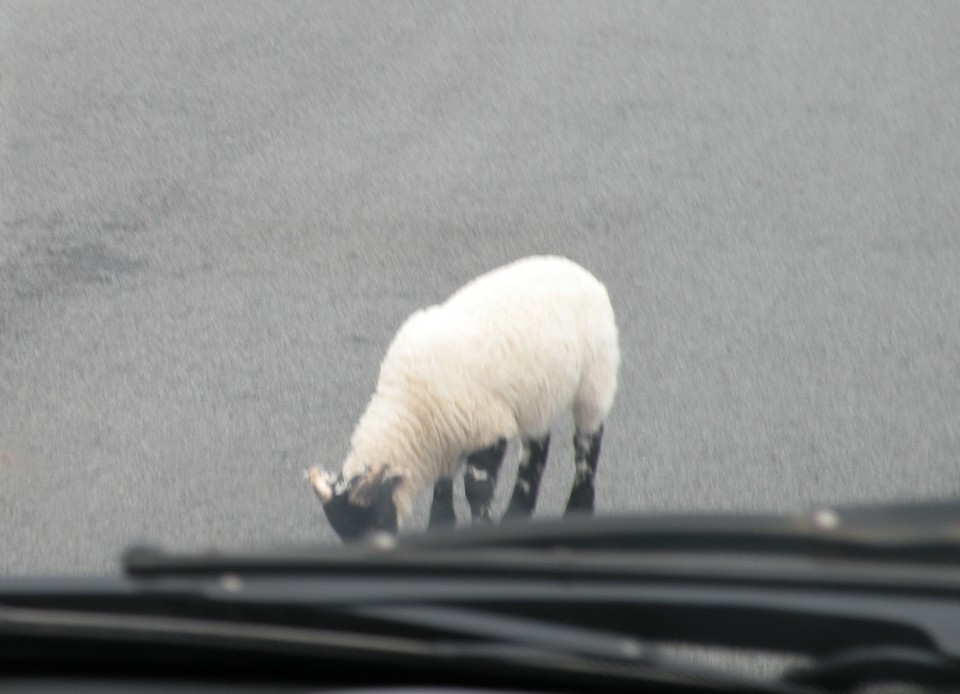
358 506
352 521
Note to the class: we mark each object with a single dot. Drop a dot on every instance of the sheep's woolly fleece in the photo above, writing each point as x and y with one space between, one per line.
504 356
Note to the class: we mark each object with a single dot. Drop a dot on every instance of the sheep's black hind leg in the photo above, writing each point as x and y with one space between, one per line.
480 479
533 459
441 511
587 451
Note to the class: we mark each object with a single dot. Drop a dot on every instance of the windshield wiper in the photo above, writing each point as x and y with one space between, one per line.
541 633
923 531
927 533
848 589
514 639
464 646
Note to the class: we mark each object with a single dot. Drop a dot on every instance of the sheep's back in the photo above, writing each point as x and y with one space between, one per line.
509 349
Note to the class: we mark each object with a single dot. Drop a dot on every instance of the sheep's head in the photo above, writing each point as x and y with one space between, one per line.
360 505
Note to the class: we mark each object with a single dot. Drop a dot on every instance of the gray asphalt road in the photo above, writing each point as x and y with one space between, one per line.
214 217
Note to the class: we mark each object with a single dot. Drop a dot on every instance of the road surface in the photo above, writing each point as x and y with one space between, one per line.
214 216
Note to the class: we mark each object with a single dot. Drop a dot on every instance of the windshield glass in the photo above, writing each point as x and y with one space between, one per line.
215 218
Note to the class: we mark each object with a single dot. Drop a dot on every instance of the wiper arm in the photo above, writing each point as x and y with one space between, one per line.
489 646
525 640
486 625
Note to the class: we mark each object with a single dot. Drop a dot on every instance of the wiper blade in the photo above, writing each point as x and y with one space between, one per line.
926 533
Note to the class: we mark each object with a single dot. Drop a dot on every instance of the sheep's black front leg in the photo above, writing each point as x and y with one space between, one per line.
480 480
586 451
533 459
441 511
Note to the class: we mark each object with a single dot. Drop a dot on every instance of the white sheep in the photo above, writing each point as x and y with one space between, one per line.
503 357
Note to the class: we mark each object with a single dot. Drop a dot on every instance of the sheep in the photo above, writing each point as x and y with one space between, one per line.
502 358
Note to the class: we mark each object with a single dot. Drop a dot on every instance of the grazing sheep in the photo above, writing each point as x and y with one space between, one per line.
503 357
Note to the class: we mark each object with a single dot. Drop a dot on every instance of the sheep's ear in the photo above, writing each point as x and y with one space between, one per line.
370 487
322 483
